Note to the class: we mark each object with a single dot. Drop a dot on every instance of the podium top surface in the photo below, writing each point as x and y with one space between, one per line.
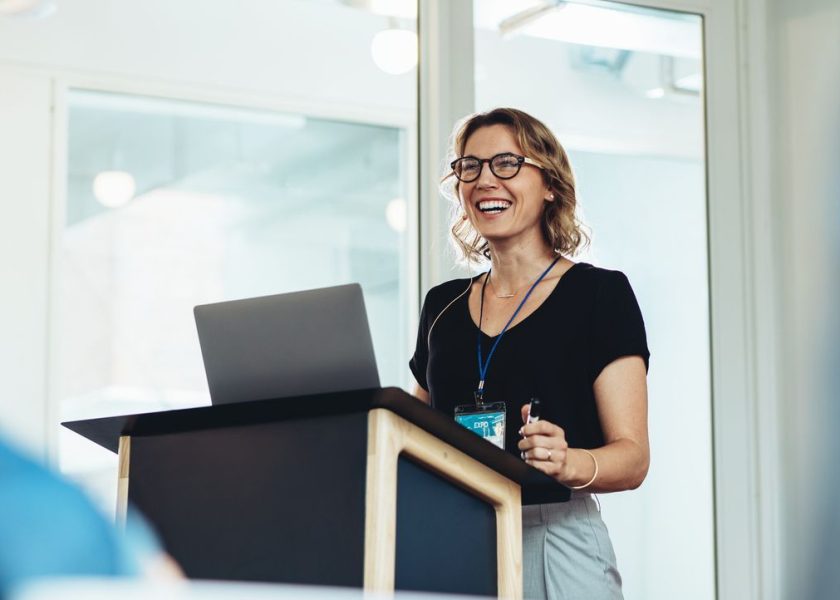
536 487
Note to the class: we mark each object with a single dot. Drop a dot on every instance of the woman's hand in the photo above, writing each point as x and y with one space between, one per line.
622 462
544 447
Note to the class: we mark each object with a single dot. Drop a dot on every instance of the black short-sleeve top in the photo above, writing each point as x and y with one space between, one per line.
555 354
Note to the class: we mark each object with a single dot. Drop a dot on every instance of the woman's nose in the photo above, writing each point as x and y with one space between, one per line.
486 177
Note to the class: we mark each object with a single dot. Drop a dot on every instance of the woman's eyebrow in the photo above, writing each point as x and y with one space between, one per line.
492 155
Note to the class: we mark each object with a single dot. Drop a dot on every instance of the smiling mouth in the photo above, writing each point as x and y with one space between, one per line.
493 207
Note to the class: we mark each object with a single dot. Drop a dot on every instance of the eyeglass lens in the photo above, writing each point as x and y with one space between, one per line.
503 166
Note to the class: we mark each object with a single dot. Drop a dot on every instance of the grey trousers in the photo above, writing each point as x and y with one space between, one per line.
567 553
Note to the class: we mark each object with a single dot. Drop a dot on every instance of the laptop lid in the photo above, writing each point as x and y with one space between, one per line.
309 342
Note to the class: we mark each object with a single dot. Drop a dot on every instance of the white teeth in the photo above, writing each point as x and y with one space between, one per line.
495 206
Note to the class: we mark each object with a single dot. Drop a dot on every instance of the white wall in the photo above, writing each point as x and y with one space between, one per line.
287 49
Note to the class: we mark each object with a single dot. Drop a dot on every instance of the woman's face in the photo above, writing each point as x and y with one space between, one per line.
521 199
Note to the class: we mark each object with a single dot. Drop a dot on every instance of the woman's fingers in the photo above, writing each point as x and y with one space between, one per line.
526 408
542 428
556 456
538 441
551 465
537 454
543 446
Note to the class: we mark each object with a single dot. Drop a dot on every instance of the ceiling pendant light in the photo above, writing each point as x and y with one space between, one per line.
394 50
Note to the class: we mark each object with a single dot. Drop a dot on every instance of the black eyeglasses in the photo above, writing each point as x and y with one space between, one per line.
504 166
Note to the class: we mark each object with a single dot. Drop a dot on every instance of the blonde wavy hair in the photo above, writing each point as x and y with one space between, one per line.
561 228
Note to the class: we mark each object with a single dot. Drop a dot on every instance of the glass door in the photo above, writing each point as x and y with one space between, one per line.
622 88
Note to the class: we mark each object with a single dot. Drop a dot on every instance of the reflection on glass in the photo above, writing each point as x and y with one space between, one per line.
622 89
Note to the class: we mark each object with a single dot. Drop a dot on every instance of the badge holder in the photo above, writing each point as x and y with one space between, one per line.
486 419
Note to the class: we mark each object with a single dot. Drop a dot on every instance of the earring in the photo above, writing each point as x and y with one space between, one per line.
463 216
550 198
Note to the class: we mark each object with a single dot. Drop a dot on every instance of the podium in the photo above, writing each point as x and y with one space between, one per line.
369 489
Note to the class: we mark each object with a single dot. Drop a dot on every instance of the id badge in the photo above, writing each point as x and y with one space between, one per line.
485 420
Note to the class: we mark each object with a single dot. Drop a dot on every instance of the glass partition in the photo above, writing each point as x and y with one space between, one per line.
172 204
622 87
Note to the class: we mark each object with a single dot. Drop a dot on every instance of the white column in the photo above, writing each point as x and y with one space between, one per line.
25 180
446 93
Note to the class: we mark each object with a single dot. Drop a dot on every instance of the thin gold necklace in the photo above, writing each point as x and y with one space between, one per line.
501 296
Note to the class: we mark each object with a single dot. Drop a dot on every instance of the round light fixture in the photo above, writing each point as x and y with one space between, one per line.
396 214
394 50
114 188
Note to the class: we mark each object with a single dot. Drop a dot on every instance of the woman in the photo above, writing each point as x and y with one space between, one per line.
537 325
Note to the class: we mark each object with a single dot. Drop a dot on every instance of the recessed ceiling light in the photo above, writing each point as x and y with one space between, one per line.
114 188
394 50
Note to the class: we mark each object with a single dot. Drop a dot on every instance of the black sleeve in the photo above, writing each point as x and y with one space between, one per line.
418 362
618 327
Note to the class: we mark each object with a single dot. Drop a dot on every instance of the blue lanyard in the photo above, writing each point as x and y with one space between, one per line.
483 366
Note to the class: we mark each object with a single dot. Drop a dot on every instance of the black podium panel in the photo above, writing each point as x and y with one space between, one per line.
446 537
220 521
537 487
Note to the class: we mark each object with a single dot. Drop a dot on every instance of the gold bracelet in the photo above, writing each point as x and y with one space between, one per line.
591 481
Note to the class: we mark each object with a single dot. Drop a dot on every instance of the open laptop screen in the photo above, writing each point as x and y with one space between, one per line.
295 344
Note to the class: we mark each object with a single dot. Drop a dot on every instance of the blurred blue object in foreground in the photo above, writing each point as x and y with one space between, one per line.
48 528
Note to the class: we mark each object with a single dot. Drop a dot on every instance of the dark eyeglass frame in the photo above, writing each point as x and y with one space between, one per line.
520 160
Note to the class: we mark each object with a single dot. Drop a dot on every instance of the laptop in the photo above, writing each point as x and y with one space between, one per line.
295 344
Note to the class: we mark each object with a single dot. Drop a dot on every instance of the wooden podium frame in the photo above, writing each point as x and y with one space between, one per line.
391 435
